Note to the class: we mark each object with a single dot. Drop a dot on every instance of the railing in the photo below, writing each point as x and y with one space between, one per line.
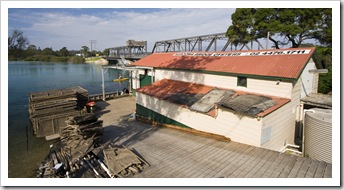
108 95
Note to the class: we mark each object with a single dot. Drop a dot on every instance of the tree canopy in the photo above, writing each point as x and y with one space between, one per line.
17 40
285 25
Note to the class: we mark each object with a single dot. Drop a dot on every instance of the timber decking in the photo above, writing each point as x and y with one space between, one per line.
178 154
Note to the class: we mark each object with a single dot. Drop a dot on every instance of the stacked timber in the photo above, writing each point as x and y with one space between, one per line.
80 154
48 110
80 136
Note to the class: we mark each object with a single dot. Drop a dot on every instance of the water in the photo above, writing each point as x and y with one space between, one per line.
25 151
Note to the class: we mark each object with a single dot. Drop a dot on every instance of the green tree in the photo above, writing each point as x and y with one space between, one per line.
48 51
63 52
325 80
284 25
324 35
17 43
85 50
106 52
31 51
17 40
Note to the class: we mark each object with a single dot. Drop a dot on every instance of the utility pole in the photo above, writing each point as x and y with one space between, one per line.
92 42
267 40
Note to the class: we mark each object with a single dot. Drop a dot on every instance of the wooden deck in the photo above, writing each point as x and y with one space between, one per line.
178 154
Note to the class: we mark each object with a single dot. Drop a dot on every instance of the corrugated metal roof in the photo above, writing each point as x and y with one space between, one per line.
165 88
322 100
208 101
203 98
284 63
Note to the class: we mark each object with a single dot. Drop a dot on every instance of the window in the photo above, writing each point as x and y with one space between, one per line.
242 81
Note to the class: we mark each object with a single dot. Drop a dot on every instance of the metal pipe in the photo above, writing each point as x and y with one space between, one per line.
103 86
291 150
90 165
289 145
303 130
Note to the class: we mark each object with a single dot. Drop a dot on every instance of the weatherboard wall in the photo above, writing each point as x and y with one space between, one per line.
238 128
261 86
280 124
308 80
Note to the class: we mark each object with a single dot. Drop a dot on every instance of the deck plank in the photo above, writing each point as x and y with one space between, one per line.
186 161
260 173
237 163
237 153
226 157
289 166
328 171
260 164
312 168
294 171
272 167
304 168
247 164
319 173
178 154
280 166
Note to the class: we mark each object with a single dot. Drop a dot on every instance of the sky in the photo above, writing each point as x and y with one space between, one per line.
112 27
68 25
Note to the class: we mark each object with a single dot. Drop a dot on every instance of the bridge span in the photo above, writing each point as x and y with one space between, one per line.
135 50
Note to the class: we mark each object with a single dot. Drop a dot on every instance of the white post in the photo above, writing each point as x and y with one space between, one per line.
103 86
130 79
153 75
267 40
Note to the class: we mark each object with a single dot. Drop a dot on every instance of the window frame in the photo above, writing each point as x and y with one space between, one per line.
239 83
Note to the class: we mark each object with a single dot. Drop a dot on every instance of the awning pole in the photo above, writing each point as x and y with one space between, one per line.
130 80
103 86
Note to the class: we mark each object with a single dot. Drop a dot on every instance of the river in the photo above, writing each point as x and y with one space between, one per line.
25 151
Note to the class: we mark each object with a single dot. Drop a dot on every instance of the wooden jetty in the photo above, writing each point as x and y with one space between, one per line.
174 153
108 96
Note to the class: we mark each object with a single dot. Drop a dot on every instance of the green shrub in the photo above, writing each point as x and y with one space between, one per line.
76 59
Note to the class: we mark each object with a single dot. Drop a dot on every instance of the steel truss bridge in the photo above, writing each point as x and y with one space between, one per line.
208 42
135 50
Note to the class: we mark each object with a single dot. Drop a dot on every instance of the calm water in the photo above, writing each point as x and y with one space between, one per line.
25 151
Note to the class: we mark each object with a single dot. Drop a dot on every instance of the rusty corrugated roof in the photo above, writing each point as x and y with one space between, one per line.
284 63
184 93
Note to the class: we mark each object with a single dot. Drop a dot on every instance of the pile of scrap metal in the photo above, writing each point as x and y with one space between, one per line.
80 153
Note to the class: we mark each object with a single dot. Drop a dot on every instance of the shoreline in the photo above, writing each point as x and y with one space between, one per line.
100 61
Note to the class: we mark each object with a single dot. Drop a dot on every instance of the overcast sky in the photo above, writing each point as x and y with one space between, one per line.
73 28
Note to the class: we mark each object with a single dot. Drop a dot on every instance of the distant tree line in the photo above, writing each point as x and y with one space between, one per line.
287 27
19 48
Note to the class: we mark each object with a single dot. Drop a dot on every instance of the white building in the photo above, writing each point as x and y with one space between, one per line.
251 97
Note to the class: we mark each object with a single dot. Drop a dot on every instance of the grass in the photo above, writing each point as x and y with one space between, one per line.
92 58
